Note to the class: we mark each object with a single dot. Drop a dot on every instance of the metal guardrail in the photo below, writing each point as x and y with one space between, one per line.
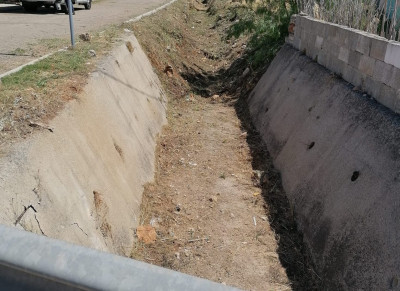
32 262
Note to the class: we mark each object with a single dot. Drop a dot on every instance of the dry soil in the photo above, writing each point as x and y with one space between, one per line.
217 204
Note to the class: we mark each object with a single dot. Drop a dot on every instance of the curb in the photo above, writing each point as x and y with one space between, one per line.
30 63
63 49
150 12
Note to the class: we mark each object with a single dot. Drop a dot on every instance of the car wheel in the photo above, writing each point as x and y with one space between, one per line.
88 5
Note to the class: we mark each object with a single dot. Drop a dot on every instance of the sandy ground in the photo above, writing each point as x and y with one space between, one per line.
19 28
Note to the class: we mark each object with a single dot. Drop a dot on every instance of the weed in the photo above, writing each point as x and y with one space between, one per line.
19 52
267 22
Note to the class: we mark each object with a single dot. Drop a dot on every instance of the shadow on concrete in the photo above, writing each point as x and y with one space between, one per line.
130 86
293 254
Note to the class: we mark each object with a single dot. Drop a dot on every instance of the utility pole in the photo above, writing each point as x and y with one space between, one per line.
71 23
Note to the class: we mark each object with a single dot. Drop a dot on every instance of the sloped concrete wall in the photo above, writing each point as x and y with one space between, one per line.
83 182
370 62
339 155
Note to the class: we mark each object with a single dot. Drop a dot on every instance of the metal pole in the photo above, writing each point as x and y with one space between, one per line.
71 22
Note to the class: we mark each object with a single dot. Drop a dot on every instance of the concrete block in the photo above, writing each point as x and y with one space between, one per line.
363 44
347 37
297 31
331 47
296 42
337 66
382 72
312 53
358 79
331 31
393 54
353 76
319 28
372 87
344 54
306 24
394 80
354 59
342 37
319 42
397 102
323 58
299 21
326 45
367 65
378 48
304 40
387 97
329 62
311 50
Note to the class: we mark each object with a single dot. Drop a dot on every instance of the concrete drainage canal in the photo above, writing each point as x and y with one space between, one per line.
336 148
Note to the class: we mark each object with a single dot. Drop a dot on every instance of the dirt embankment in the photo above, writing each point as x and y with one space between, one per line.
217 204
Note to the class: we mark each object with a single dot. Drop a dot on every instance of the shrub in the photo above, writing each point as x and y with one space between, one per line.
266 22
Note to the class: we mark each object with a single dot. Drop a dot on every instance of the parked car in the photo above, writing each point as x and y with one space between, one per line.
32 5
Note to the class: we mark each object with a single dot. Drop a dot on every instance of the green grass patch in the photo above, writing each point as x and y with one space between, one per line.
60 64
38 91
266 22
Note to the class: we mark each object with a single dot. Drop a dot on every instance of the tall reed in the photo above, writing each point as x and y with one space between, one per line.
375 16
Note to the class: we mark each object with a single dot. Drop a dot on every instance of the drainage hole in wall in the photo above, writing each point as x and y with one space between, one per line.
317 117
355 176
311 145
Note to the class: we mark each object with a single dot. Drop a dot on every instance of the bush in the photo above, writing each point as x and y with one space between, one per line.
266 22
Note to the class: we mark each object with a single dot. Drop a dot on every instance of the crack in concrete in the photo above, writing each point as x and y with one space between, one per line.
75 223
36 190
23 213
40 228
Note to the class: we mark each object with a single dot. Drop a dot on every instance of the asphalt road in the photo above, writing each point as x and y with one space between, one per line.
19 28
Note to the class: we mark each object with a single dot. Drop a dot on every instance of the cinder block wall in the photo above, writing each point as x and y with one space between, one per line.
367 61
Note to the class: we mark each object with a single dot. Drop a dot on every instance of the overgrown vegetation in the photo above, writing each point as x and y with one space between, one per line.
267 23
375 16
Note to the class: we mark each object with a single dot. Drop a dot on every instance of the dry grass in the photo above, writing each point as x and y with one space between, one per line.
39 91
365 15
